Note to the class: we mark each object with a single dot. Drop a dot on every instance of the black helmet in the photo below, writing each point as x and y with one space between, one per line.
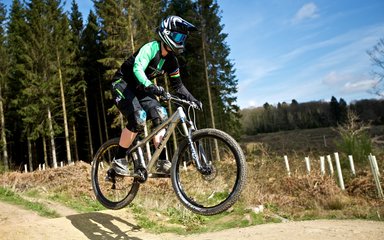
173 31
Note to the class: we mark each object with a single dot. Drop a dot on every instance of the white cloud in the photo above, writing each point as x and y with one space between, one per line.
335 78
254 70
348 82
307 11
358 86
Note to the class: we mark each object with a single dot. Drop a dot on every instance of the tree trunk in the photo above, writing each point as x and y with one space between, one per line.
52 136
103 111
131 29
30 160
208 84
3 134
98 122
88 123
207 79
45 151
75 143
67 142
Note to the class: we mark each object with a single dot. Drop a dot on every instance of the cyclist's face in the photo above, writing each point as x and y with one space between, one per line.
165 49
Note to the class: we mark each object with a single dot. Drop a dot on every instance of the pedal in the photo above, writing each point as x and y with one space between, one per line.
141 175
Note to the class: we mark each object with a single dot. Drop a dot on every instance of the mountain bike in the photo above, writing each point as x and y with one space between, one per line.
208 170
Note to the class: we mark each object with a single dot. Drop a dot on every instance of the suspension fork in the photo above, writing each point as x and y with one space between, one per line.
195 156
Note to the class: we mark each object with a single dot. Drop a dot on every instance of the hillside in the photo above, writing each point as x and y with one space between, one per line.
306 141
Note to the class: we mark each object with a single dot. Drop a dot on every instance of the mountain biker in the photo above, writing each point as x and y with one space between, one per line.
135 94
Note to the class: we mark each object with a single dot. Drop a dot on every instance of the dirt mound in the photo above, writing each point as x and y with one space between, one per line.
74 178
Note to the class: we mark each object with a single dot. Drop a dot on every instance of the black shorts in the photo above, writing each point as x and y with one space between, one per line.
137 106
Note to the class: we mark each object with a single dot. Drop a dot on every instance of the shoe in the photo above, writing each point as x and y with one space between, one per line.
163 166
120 166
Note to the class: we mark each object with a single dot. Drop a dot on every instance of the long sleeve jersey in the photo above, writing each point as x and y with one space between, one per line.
146 64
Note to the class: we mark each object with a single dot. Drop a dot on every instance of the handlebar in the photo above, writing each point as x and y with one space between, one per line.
173 98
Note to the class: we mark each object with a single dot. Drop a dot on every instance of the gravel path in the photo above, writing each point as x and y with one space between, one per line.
20 224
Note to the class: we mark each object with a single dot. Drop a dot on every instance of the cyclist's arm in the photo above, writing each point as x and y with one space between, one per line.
145 55
179 87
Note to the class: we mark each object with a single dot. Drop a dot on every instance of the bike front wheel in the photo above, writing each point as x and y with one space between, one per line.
217 188
120 192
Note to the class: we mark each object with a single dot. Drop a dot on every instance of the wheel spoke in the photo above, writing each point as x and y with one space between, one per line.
218 185
118 191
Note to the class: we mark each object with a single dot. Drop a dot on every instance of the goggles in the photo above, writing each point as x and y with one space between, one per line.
178 38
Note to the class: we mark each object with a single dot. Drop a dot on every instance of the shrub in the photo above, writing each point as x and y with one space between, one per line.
355 140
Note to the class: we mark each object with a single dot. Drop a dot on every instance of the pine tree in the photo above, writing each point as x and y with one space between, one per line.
16 27
47 46
335 111
38 84
115 32
4 61
91 52
77 83
221 73
62 60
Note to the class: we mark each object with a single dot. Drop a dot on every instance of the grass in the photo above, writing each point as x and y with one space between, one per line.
82 204
9 196
181 221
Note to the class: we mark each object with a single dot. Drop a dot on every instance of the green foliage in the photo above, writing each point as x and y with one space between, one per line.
81 203
354 138
11 197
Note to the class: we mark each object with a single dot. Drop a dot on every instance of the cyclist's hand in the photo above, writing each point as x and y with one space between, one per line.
165 96
156 90
197 104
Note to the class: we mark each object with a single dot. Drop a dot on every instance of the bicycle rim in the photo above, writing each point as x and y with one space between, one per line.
123 191
218 190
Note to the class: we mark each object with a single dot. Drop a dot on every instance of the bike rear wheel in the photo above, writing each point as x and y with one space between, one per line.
112 195
217 189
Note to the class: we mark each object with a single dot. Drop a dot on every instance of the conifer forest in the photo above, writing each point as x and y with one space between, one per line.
56 67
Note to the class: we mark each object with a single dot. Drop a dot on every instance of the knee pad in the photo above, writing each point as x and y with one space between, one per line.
137 122
162 115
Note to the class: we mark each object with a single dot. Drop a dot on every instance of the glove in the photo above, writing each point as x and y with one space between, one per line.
198 105
156 90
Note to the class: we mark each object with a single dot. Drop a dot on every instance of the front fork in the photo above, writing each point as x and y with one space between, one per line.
197 152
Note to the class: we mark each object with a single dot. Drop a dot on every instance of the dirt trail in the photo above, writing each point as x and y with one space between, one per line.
17 224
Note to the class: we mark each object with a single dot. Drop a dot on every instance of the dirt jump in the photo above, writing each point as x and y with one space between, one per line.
19 224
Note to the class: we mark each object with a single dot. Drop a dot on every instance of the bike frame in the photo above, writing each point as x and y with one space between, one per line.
170 125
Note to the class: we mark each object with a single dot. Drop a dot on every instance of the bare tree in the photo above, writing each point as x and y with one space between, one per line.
377 57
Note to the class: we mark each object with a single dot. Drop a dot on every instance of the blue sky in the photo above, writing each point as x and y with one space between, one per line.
294 49
303 50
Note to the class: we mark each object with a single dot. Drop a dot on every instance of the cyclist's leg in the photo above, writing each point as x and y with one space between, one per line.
130 107
158 115
156 112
